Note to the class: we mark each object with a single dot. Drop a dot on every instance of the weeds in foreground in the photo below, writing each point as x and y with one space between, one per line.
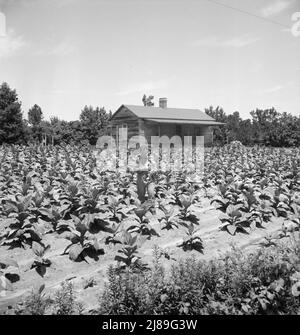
265 282
64 302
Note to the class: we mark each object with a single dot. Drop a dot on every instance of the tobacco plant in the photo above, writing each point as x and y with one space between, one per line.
40 263
128 253
191 241
19 228
234 220
8 274
83 243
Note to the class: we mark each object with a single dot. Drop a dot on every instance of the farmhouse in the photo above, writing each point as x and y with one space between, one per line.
159 121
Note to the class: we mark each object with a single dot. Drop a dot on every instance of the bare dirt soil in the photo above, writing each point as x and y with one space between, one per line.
215 242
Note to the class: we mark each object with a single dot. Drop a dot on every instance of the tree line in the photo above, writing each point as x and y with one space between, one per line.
266 126
15 129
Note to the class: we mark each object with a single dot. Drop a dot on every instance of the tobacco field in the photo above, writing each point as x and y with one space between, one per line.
62 219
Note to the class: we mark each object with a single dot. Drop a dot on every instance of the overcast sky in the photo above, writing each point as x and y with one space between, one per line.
64 54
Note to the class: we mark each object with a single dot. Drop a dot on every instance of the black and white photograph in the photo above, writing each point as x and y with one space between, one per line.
149 160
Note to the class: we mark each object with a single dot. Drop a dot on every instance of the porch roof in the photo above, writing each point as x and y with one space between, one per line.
181 121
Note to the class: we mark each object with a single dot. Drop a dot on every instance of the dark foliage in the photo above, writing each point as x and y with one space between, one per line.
265 282
267 127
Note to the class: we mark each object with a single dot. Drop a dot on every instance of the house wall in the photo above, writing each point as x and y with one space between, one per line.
124 117
207 132
137 126
149 129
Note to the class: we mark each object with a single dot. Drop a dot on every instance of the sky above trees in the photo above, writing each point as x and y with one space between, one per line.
64 54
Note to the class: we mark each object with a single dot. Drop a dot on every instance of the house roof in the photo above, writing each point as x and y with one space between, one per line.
170 115
149 112
200 122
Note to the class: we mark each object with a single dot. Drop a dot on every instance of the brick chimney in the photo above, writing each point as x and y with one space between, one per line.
163 102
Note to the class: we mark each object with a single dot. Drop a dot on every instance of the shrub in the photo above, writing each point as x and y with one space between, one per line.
65 302
35 304
259 283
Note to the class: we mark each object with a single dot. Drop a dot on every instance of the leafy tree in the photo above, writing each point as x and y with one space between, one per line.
147 101
56 129
274 128
93 122
267 127
244 132
62 132
261 121
219 133
75 133
53 130
284 131
11 120
232 126
35 116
